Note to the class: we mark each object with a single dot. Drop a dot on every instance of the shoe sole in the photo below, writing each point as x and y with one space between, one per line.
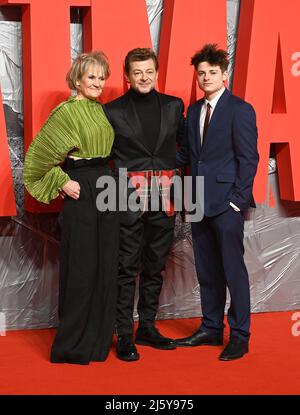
232 358
144 343
201 344
128 359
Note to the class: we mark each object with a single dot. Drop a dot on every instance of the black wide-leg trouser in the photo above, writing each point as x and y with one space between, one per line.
88 273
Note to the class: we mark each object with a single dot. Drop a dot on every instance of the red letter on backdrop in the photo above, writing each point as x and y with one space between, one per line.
46 60
186 27
267 75
115 29
7 196
46 54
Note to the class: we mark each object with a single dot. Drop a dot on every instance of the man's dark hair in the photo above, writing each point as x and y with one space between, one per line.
211 54
139 54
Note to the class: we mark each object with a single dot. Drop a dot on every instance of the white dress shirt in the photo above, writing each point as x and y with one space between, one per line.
213 102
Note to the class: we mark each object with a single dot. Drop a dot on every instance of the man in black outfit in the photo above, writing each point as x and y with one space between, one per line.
147 125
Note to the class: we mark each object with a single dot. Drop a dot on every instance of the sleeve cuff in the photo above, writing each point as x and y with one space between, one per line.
237 209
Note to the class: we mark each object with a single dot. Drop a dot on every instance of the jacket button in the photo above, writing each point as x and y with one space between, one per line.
199 162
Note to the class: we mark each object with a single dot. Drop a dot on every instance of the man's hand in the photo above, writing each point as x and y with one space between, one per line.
71 189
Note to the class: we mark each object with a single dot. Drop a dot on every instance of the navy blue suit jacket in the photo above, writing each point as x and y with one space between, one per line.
228 158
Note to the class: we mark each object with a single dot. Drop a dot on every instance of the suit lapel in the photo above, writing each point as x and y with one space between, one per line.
196 125
164 109
222 102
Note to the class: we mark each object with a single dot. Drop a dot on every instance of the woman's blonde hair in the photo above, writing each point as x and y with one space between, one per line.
81 64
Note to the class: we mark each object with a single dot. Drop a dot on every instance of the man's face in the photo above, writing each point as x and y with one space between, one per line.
142 76
210 79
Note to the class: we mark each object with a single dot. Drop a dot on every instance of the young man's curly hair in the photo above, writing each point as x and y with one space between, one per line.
211 54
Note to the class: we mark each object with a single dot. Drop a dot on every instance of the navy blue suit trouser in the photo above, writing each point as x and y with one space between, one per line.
219 255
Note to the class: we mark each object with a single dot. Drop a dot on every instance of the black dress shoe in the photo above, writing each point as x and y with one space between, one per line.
235 349
200 338
126 349
150 336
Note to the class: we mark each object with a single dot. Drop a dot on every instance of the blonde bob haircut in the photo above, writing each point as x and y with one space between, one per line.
81 64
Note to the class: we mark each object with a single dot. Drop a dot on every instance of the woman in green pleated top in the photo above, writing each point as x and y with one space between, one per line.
66 157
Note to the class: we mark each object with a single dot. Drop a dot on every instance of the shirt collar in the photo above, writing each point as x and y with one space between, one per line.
213 102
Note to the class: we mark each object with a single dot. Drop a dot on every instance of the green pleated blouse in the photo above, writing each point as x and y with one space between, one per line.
77 127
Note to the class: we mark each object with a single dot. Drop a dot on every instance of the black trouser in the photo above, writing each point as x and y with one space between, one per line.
88 271
145 241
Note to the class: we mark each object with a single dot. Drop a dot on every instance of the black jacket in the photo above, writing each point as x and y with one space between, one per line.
130 150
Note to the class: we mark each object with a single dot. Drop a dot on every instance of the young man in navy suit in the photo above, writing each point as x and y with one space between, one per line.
221 145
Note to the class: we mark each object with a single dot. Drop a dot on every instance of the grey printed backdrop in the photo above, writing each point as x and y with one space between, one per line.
29 244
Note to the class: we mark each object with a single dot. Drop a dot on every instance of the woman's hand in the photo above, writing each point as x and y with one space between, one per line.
72 189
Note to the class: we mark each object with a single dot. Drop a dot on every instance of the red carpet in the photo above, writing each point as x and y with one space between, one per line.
271 367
